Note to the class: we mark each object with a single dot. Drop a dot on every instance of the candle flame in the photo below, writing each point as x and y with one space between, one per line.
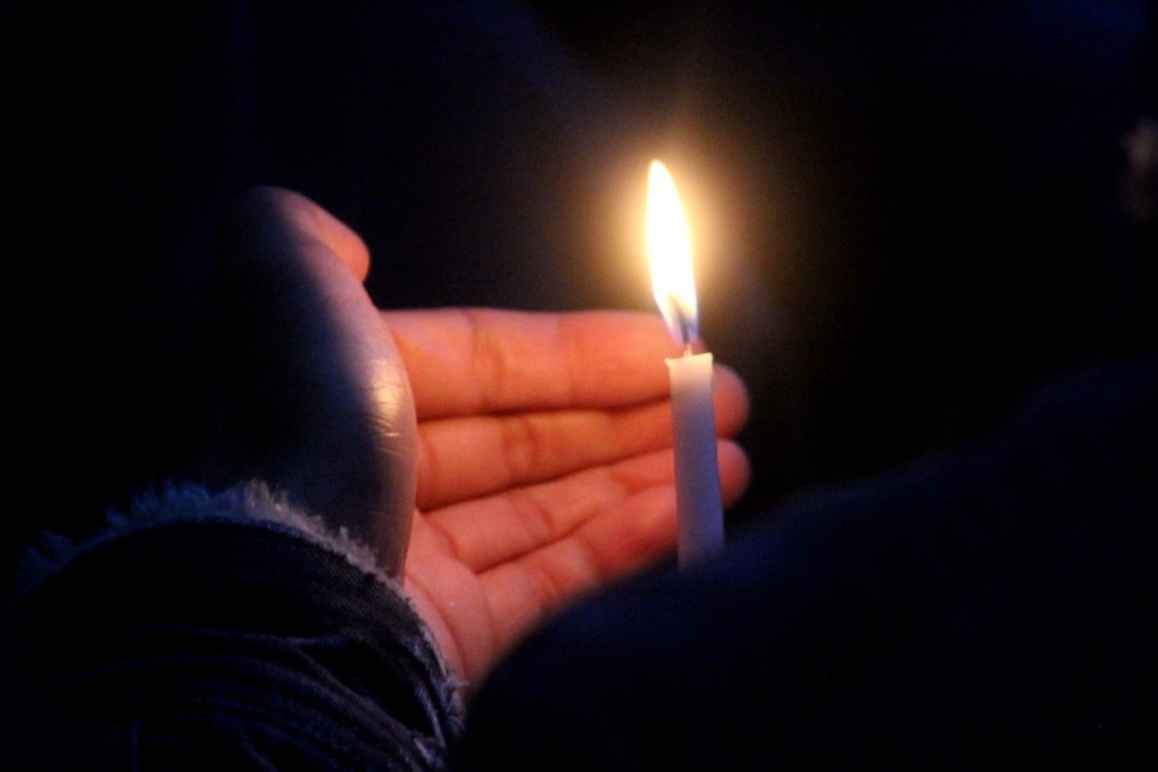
669 251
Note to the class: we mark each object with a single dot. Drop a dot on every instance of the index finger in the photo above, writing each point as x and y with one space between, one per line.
475 361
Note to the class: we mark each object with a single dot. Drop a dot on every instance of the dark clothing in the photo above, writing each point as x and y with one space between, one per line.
219 645
991 604
997 602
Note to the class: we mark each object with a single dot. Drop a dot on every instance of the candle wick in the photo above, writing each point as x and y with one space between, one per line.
685 326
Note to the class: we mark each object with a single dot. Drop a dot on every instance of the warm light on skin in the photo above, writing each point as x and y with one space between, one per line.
669 251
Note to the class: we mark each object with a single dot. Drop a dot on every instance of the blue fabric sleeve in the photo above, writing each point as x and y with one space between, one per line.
194 634
992 604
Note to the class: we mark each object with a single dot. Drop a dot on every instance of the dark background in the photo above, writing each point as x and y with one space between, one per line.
906 214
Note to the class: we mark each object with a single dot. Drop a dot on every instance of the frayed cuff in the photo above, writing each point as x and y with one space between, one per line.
252 504
249 504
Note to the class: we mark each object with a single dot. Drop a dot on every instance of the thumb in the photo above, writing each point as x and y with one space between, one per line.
302 221
313 397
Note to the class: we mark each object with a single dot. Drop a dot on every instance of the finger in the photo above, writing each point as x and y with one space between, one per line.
462 458
474 361
486 532
616 542
317 402
306 222
521 595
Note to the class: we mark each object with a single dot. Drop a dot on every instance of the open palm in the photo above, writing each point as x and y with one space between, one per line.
544 466
544 463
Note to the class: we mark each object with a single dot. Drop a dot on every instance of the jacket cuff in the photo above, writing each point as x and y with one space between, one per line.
187 571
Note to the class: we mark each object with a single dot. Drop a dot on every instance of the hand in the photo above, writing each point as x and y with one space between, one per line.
544 466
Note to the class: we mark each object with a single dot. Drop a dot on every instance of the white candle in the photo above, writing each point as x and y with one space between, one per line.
698 504
698 508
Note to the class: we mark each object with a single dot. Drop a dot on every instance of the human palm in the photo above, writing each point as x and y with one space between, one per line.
544 465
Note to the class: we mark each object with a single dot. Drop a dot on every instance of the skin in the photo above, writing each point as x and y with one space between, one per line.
540 458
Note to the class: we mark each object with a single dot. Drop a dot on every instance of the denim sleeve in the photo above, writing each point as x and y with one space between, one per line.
222 631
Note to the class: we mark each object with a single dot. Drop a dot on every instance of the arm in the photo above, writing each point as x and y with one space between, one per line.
225 620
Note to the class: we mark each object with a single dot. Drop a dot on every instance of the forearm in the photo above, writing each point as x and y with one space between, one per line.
228 627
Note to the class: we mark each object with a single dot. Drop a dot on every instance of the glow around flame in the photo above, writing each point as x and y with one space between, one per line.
669 251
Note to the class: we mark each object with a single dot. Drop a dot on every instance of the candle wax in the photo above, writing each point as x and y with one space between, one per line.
698 507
